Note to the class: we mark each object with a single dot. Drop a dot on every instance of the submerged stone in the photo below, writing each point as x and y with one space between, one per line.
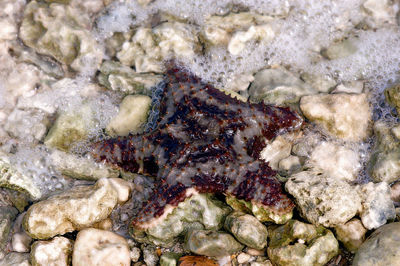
297 243
57 251
200 211
211 243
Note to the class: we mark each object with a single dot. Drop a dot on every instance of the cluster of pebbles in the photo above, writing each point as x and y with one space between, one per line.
74 73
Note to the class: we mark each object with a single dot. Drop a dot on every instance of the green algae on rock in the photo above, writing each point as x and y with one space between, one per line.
247 229
301 244
260 211
212 243
200 211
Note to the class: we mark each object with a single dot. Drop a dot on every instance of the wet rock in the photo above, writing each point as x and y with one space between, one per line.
118 77
98 247
169 259
289 165
384 164
356 87
381 248
75 209
149 47
81 167
235 29
392 95
336 114
380 12
261 33
261 212
21 242
377 206
57 251
321 83
395 192
62 32
132 115
340 49
351 234
275 151
323 200
30 125
240 83
70 127
11 178
7 216
135 254
297 243
15 259
243 258
211 243
261 261
278 86
247 229
199 211
150 255
336 161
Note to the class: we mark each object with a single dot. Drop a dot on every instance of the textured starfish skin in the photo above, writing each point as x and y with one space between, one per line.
204 140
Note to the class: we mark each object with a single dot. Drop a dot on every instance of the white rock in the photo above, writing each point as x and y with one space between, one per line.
323 200
336 161
142 52
55 252
132 115
263 33
8 29
382 11
243 257
135 254
98 247
351 234
176 38
240 82
336 114
77 208
21 242
377 206
275 151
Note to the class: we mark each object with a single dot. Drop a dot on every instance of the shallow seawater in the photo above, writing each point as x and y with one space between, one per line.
303 30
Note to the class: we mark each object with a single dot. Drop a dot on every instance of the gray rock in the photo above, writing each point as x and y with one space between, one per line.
247 229
211 243
15 259
377 206
382 248
278 86
7 216
297 243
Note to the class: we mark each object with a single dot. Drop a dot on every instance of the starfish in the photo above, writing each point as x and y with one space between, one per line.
205 141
